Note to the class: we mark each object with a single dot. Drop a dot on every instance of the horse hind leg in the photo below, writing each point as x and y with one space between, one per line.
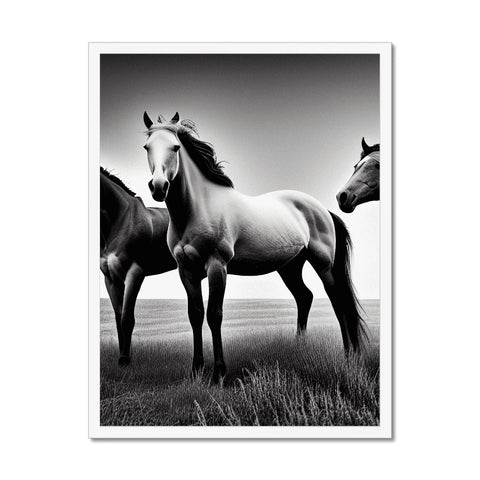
338 306
291 275
323 266
338 287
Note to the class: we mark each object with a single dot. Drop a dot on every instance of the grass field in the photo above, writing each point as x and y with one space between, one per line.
274 378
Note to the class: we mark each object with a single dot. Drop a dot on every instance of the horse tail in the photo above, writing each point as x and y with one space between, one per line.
343 285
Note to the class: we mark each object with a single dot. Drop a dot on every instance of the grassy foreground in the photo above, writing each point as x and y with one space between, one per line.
274 378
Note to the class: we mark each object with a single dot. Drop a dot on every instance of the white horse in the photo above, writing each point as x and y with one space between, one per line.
215 230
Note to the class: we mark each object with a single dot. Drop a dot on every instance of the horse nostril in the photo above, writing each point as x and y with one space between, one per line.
165 187
150 185
343 198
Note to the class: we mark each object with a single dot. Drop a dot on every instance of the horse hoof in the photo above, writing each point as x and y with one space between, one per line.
123 361
197 368
196 373
218 373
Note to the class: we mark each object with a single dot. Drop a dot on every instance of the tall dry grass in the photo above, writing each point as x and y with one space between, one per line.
273 378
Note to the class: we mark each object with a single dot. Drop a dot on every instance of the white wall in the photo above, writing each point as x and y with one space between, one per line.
44 239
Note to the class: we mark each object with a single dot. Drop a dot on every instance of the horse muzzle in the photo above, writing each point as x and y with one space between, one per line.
159 190
346 201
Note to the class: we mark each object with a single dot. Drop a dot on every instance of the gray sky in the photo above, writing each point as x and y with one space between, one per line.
280 121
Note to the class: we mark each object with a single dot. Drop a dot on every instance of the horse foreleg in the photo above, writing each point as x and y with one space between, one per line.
196 312
115 292
217 280
292 277
133 282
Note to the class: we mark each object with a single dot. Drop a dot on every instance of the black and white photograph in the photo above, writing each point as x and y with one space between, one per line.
242 198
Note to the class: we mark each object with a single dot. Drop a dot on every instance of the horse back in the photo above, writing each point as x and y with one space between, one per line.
273 228
287 215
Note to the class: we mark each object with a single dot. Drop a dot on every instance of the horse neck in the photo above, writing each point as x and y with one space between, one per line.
114 203
374 174
188 191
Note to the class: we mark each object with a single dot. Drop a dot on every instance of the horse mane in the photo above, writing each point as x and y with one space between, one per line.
369 150
116 180
204 157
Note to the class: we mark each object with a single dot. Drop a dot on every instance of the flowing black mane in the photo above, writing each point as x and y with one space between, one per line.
369 150
204 157
116 180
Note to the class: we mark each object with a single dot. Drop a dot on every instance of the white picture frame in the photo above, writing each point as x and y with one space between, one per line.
384 430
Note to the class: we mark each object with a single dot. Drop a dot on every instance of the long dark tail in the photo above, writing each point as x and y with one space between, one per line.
343 285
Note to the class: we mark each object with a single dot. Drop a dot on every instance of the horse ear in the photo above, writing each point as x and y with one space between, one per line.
364 144
162 119
147 121
175 118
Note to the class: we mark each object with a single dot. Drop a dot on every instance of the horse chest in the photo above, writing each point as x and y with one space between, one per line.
193 248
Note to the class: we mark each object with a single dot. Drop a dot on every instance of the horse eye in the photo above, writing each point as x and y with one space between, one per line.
176 148
145 147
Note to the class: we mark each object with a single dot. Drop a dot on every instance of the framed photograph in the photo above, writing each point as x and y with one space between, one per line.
241 287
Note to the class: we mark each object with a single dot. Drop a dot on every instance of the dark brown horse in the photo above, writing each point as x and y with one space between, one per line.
364 184
133 245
